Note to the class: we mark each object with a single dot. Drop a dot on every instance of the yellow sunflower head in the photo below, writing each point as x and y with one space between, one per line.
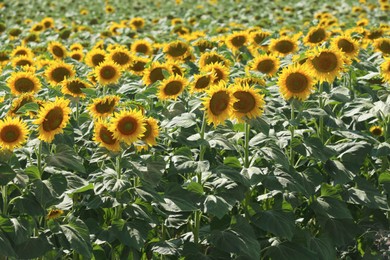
138 65
54 213
95 57
77 55
104 137
172 87
295 81
137 23
252 81
4 58
17 103
283 46
57 71
249 102
385 70
48 22
21 61
237 40
23 82
315 36
73 87
382 45
220 72
13 133
76 47
120 56
347 45
212 57
152 131
109 9
103 107
176 50
202 82
155 73
218 104
52 118
376 130
266 64
108 72
38 27
127 126
204 45
22 51
176 67
57 49
142 46
374 33
257 37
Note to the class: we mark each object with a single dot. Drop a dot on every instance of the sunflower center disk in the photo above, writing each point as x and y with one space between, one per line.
296 82
142 48
106 136
202 82
127 126
325 62
213 59
219 102
156 74
75 87
284 46
10 134
104 107
317 36
120 58
53 119
59 74
97 59
147 132
238 41
265 66
177 50
345 46
173 88
138 66
23 63
24 85
259 38
245 103
108 72
385 47
57 51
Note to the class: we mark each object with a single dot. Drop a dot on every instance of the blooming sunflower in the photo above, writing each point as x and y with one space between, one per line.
151 132
57 50
385 70
54 213
76 47
94 57
155 73
249 102
108 72
21 61
202 82
315 36
104 137
236 40
19 102
52 118
203 45
283 46
266 64
76 55
22 51
347 45
48 22
250 80
120 56
218 104
109 9
212 57
137 23
326 64
170 88
73 87
220 71
376 130
103 107
142 46
127 126
57 71
257 37
13 133
176 50
295 81
382 45
138 64
4 57
23 82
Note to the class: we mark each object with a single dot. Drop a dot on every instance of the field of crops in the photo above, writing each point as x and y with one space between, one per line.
214 129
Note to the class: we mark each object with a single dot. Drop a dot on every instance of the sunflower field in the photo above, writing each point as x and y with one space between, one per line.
178 129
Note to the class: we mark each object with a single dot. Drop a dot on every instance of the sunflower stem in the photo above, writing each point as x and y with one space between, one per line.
4 193
198 215
247 132
292 129
321 103
39 158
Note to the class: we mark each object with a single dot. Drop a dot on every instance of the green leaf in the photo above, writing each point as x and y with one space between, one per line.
132 234
154 172
6 174
384 178
33 173
165 248
232 162
31 106
369 198
216 206
195 187
77 234
291 251
66 158
330 208
280 223
339 172
323 247
34 247
5 246
317 150
178 199
274 153
383 149
340 231
29 205
185 120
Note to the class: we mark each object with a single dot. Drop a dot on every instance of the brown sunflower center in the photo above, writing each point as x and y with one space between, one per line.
75 86
137 24
385 47
142 48
58 51
203 82
345 46
173 88
375 34
127 125
238 41
325 62
10 133
121 58
97 59
23 62
376 131
220 75
106 136
156 74
53 119
317 36
138 66
105 107
296 82
177 50
76 56
60 73
246 102
213 59
37 28
21 52
284 46
259 37
148 131
219 102
47 24
108 72
176 70
3 56
265 66
24 85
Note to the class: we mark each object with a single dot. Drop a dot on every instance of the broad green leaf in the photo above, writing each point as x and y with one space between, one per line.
216 206
178 199
323 248
195 187
339 172
184 120
317 150
32 173
341 231
77 234
383 149
232 162
5 246
280 223
33 247
29 205
166 248
384 178
273 152
291 251
132 234
66 158
369 198
6 174
330 208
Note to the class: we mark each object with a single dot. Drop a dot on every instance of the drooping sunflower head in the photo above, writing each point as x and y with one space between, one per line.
283 46
202 82
176 50
22 51
220 72
170 88
385 70
266 64
120 56
76 55
127 126
54 213
376 130
382 45
212 57
295 81
57 49
57 71
155 73
326 64
315 36
21 61
152 131
142 46
137 23
13 133
249 102
251 81
73 87
52 118
237 40
17 103
103 107
108 72
218 104
104 137
95 57
347 45
23 82
138 65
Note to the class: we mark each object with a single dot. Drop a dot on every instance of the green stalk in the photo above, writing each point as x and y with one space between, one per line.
246 151
198 215
39 158
292 129
118 209
321 103
4 193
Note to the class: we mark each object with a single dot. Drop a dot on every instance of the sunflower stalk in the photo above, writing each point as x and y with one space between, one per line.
321 103
292 129
247 133
39 158
4 193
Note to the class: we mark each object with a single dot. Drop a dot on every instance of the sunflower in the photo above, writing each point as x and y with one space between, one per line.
295 81
109 9
57 50
73 87
315 36
347 45
19 102
170 88
257 37
22 51
76 47
266 64
204 45
104 137
120 56
236 40
108 72
52 118
103 107
151 132
249 102
137 23
76 55
218 104
212 57
138 64
95 57
176 50
142 46
385 70
374 33
38 27
4 57
13 133
127 126
326 64
220 71
23 82
175 66
21 61
202 82
376 130
58 71
250 80
48 22
283 46
382 45
155 73
54 213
